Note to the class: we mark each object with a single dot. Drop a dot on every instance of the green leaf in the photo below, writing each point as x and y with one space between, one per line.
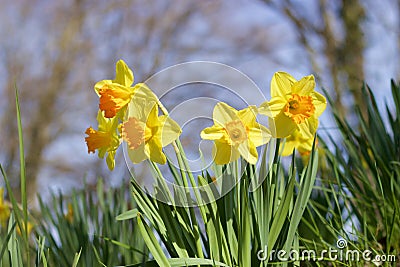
130 214
300 205
178 262
152 242
76 258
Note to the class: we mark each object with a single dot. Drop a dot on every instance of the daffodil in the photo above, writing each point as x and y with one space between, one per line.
69 216
29 228
4 209
105 139
294 105
298 142
146 133
235 133
116 94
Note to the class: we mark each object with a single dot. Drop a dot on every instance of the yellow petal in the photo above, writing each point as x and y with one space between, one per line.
281 84
273 107
284 126
305 86
259 135
224 153
248 151
143 93
100 84
214 132
223 113
137 155
143 101
308 128
152 117
319 102
154 152
105 124
110 160
170 130
305 146
123 74
248 115
288 147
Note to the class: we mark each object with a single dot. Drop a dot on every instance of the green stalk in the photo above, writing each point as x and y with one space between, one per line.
196 232
23 176
184 166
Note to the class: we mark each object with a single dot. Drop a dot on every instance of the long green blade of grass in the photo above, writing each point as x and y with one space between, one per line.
24 229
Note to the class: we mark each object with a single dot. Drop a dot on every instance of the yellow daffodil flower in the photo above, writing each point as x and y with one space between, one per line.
4 209
146 133
298 142
69 216
294 105
105 139
29 229
235 133
116 94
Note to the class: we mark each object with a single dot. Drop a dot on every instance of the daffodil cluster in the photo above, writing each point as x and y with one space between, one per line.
294 109
129 112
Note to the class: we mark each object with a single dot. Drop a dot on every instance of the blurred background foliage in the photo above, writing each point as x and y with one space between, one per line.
54 51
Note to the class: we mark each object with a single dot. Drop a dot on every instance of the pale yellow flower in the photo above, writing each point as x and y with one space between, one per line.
235 133
145 132
294 105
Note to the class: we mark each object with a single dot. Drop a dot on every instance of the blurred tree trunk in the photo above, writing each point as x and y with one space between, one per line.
352 51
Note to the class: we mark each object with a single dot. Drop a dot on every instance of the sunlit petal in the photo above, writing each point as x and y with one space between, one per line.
273 107
110 160
248 151
153 150
170 130
224 113
288 148
308 128
319 102
284 126
214 132
137 155
305 86
100 85
223 153
259 135
123 74
281 84
248 115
